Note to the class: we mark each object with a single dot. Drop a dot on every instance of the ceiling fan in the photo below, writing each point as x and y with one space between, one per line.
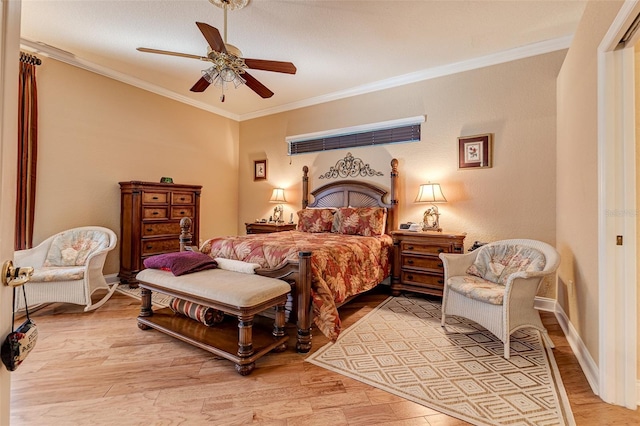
228 65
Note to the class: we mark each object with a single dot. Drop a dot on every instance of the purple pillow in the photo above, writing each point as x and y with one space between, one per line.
182 262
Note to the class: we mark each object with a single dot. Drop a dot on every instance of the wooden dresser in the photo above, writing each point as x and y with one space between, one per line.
416 265
150 216
267 228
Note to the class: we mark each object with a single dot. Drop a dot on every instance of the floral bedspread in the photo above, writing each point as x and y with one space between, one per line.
341 265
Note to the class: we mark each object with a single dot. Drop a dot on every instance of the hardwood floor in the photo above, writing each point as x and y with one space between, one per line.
98 368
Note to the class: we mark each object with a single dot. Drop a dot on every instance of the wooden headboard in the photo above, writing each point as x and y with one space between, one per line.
352 193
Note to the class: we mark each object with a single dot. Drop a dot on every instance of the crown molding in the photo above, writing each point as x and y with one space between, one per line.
529 50
71 59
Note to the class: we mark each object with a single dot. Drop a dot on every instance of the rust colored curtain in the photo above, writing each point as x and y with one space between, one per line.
27 151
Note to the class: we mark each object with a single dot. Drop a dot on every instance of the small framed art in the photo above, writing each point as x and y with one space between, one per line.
260 170
474 152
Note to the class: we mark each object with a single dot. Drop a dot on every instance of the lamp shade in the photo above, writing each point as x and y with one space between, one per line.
430 193
277 196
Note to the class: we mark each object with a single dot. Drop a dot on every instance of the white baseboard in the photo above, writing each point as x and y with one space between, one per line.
589 367
111 278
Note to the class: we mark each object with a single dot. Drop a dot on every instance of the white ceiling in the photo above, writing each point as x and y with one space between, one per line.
339 47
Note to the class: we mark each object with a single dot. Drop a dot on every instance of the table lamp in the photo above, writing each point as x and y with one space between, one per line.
431 193
277 196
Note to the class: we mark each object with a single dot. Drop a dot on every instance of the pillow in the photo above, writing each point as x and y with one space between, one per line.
181 262
496 262
72 248
367 221
236 265
315 220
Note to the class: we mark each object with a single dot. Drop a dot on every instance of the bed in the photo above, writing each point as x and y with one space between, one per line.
325 269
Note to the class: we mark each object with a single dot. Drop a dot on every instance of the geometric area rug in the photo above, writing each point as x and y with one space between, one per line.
459 370
157 299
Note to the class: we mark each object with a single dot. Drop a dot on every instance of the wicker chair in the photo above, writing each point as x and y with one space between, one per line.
496 285
68 267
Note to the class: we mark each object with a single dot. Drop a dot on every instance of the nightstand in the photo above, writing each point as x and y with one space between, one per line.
267 228
416 265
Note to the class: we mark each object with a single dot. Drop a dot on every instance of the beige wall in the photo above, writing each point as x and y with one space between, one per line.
95 132
577 183
514 199
637 107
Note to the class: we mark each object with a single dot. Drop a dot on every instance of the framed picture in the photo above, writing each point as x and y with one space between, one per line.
260 170
474 152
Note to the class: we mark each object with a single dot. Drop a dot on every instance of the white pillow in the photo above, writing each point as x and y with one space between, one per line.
236 265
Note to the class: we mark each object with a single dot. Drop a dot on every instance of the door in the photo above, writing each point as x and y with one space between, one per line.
9 56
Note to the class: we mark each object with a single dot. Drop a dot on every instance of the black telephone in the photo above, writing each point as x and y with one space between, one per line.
405 225
476 244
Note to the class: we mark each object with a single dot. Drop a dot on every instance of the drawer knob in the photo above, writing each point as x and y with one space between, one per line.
181 212
410 277
155 213
181 198
409 247
149 247
440 250
155 198
410 261
440 281
440 265
149 229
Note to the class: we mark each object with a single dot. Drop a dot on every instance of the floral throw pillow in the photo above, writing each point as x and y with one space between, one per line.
496 262
315 220
367 221
72 248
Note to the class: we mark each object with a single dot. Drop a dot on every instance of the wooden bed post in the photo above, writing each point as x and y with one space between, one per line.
305 304
305 187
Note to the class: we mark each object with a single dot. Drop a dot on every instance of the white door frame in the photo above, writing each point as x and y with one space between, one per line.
617 215
9 68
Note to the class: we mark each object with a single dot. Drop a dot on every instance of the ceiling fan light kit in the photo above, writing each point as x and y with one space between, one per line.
229 66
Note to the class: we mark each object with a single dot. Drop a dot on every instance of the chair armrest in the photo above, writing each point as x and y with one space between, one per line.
31 257
457 264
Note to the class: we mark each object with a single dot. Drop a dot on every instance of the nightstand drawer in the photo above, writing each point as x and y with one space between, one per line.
432 249
422 262
180 212
160 246
151 229
155 197
411 277
182 198
154 213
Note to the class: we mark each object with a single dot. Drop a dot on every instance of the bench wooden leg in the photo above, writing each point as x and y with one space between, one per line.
145 307
278 327
303 291
245 343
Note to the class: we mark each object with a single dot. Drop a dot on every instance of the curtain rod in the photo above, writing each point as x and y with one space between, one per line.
29 59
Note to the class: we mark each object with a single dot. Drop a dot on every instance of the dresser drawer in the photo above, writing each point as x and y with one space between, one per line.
428 248
154 213
155 197
152 229
182 198
411 277
150 247
182 211
430 262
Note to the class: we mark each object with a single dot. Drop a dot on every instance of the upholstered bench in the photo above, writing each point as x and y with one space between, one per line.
235 293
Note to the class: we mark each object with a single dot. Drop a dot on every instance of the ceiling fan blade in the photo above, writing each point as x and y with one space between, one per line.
200 85
213 37
256 86
166 52
275 66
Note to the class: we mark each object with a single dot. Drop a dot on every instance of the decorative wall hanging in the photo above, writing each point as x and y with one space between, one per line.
474 152
350 167
260 170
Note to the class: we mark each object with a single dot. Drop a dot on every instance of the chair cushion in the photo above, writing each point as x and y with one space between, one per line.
57 273
73 247
477 288
496 262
